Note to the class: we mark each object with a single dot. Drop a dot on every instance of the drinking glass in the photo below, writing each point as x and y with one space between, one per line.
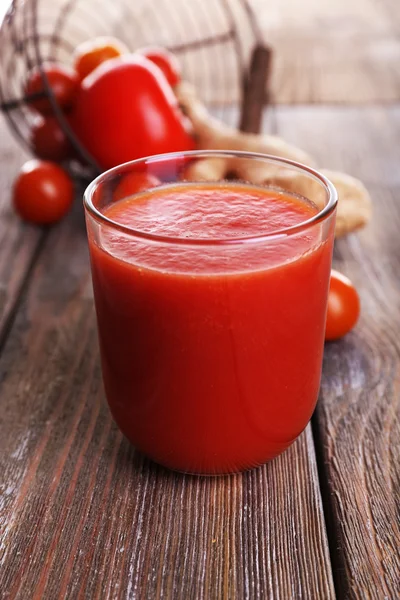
211 338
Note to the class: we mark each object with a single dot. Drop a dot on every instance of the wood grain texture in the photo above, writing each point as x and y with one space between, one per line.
83 516
358 418
333 52
18 241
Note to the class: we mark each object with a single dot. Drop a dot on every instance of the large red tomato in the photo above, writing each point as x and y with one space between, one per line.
126 110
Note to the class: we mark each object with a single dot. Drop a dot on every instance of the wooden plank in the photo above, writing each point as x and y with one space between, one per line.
332 52
84 516
357 419
18 241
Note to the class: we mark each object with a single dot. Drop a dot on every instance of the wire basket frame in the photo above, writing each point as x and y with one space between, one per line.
218 43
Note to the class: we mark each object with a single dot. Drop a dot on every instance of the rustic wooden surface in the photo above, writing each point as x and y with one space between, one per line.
18 242
357 423
83 516
333 51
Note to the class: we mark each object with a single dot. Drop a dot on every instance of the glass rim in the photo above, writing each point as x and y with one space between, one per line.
320 216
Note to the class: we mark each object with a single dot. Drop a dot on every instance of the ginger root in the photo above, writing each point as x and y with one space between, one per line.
354 206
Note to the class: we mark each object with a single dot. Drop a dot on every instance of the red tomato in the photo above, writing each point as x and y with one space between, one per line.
63 82
49 140
92 53
43 192
343 307
133 183
165 60
125 110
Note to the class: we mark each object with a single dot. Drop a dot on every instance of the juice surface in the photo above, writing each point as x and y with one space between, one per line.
211 354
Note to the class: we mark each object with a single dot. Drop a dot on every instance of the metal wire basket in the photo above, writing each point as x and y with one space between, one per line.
218 42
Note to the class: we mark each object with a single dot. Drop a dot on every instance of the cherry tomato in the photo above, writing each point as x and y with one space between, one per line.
165 60
92 53
49 140
133 183
127 110
343 307
43 192
63 82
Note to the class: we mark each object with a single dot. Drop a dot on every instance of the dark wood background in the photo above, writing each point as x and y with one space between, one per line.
83 516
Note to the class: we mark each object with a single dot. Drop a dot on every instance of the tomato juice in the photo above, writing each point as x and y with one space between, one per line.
211 338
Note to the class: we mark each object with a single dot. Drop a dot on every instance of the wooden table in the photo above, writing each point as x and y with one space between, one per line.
83 516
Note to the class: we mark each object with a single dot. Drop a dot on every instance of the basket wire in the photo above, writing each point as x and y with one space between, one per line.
214 39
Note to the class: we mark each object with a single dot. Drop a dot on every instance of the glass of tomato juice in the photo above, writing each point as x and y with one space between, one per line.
211 301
